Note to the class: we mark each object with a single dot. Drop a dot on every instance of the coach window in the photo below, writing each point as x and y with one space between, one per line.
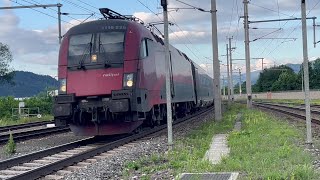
143 49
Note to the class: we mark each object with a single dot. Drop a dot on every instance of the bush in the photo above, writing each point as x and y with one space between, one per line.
42 101
10 147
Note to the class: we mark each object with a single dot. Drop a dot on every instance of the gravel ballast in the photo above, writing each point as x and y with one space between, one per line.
112 167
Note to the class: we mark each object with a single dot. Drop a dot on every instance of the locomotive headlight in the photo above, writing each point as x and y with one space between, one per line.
128 80
62 86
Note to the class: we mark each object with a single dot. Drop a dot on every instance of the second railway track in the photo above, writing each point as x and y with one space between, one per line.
292 111
25 135
22 126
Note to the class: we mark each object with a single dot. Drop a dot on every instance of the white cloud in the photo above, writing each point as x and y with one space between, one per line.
146 17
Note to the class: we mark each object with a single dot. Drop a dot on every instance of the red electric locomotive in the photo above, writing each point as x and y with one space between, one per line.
112 78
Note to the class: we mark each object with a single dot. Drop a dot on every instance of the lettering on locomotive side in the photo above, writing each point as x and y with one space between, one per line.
114 28
110 75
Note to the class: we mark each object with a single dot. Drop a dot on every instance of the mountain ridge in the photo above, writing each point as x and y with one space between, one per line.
28 84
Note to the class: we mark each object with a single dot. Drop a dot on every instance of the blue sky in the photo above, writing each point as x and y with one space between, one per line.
33 38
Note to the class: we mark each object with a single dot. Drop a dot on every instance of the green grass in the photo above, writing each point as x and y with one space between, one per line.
264 149
23 120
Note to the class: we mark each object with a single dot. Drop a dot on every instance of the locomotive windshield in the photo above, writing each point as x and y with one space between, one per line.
94 50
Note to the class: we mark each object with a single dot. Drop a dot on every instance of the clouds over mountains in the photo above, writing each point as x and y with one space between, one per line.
40 46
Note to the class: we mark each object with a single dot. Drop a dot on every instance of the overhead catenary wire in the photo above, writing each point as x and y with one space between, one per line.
88 4
51 9
81 7
278 12
231 17
185 36
276 48
169 27
236 33
49 15
294 29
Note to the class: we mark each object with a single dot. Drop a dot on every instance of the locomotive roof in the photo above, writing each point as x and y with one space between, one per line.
101 25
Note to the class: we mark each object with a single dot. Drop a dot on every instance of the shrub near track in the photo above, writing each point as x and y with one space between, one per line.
264 149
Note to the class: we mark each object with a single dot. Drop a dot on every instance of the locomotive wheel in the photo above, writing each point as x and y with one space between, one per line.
138 130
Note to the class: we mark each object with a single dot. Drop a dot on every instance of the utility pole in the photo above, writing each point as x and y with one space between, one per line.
42 6
314 33
216 64
231 74
228 76
306 71
262 63
59 21
164 4
224 88
302 77
247 49
240 90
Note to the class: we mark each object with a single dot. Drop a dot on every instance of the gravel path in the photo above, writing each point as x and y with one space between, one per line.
38 144
113 166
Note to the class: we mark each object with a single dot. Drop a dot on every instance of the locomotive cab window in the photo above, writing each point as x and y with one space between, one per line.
146 48
143 49
96 50
109 46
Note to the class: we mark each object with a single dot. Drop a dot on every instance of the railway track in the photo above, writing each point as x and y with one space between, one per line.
42 163
298 112
23 126
19 136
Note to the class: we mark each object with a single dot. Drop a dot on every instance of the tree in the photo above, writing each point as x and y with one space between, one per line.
315 74
287 80
268 77
6 73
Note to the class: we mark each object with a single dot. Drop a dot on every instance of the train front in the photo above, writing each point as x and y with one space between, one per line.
97 74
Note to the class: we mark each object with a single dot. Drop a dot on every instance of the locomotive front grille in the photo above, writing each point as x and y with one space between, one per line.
68 98
122 94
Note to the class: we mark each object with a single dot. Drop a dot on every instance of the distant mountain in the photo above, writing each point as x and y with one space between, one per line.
254 77
294 67
27 84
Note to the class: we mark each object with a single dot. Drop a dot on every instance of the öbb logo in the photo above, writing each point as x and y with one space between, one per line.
111 75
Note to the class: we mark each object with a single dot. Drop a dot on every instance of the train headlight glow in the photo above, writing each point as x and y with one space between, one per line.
94 58
62 86
128 80
129 83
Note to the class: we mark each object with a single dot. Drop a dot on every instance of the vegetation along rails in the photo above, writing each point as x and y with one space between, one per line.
22 126
39 164
18 136
298 112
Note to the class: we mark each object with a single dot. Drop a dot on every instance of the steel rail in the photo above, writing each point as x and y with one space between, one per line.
275 107
293 108
22 126
43 153
33 133
55 166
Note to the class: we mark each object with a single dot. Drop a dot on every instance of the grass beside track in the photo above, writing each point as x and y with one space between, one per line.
265 148
23 120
